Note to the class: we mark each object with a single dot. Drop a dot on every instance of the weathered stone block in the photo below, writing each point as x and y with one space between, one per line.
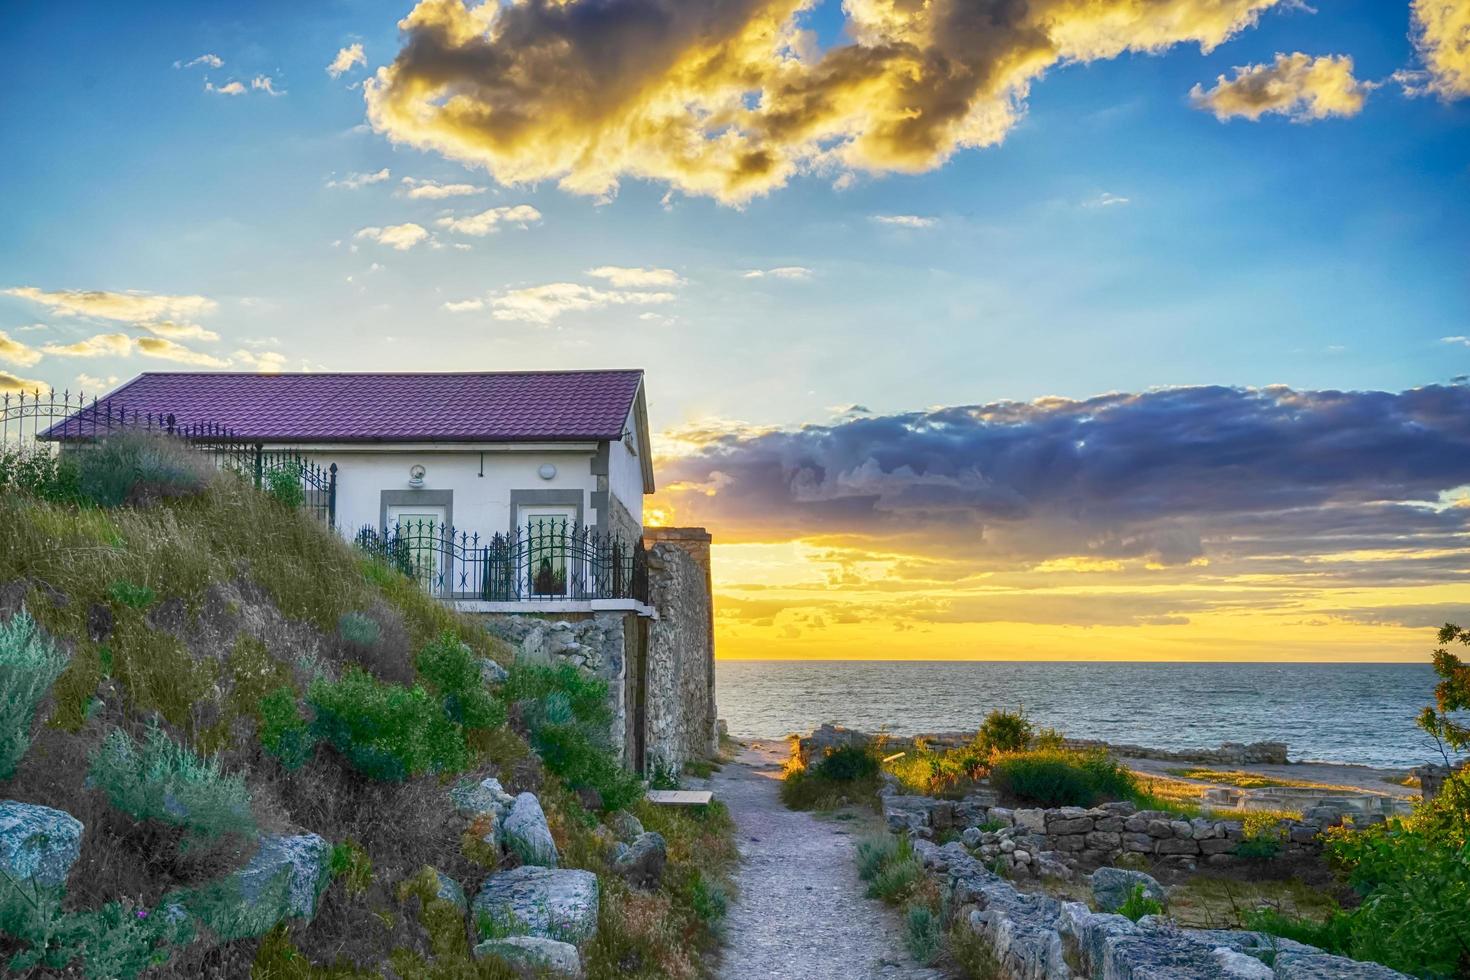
38 844
1109 825
304 861
526 833
1217 845
1070 842
1033 820
1182 829
1177 845
1103 841
1138 843
1112 886
533 956
1160 829
546 902
1068 825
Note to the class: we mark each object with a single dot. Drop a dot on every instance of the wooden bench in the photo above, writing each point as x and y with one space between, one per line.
680 797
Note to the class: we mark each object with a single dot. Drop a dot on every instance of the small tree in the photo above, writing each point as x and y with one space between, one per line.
1450 695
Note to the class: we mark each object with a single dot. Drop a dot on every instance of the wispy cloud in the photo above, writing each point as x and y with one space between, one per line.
1297 86
180 331
905 220
207 60
1441 31
264 361
99 345
625 277
266 84
1463 341
130 306
522 215
356 181
401 237
544 304
1105 200
464 305
16 352
345 59
432 190
167 350
92 385
229 88
780 272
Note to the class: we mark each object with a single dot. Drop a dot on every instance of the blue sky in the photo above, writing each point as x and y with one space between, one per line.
1322 254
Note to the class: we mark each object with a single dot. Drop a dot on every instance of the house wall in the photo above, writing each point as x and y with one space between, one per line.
625 473
679 694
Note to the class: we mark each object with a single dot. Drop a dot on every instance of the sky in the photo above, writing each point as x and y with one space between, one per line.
1039 329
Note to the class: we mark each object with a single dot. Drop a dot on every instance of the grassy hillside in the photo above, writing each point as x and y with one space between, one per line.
223 649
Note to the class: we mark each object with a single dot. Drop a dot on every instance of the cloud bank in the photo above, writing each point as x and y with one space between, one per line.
1298 86
1441 30
730 99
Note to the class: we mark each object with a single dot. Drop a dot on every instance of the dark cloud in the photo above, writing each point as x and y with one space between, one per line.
1171 476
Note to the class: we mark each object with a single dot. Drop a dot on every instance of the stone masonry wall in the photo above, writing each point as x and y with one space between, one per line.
680 698
595 643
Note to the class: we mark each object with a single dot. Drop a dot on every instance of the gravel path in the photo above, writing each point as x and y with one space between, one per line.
801 913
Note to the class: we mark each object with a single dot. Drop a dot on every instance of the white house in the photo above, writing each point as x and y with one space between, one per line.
484 479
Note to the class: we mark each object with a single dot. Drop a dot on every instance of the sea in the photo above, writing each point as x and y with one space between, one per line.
1345 713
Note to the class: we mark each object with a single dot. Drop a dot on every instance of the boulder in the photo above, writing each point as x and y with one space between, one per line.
1049 864
546 902
492 673
449 891
475 799
533 956
1112 886
305 863
525 834
642 862
626 826
38 845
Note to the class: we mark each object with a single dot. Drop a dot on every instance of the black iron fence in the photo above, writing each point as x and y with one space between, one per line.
553 560
60 420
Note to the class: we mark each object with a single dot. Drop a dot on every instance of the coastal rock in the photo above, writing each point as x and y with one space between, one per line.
1112 886
526 834
38 845
534 956
302 862
532 901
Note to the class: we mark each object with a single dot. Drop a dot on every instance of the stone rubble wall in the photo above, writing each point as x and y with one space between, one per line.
595 644
680 711
1032 842
1037 937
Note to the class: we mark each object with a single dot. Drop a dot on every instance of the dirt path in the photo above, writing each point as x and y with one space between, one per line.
801 913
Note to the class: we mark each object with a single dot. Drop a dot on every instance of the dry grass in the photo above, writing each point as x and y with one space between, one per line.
1243 779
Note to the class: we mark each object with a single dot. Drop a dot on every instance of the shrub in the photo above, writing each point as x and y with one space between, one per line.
1005 731
941 773
283 731
847 763
1330 934
351 863
1264 834
162 780
922 933
1059 777
452 671
873 853
284 484
358 629
385 731
29 665
38 472
133 596
892 872
1138 904
137 467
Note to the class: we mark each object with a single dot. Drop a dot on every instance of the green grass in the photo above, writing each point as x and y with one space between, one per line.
923 934
1062 777
1138 904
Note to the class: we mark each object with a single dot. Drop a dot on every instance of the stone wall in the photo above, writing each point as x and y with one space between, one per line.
681 716
594 642
1056 842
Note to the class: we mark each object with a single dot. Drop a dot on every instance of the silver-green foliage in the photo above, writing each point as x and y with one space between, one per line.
163 780
29 665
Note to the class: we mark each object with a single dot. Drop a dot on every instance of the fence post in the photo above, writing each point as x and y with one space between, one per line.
332 496
258 462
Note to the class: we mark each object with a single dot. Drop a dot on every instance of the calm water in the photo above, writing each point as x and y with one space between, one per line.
1327 712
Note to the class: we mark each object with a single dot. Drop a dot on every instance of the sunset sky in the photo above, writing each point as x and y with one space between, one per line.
1045 329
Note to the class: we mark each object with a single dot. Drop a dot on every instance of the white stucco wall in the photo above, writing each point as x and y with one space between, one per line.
625 471
481 502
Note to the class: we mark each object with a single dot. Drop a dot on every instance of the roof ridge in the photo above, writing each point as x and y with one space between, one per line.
382 374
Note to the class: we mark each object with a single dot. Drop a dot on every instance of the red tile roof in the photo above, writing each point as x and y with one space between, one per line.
459 407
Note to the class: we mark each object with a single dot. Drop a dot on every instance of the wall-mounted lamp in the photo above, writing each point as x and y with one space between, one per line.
416 474
547 471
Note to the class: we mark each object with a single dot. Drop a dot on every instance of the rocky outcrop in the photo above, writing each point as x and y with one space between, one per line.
304 861
525 834
1111 888
484 805
642 861
532 956
1035 937
38 845
544 902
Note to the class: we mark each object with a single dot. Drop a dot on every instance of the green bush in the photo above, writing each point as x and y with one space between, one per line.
386 731
39 472
890 868
873 853
358 629
118 940
284 483
1138 904
1005 731
846 763
1059 777
163 780
29 665
568 716
351 863
134 467
451 670
133 596
284 733
922 933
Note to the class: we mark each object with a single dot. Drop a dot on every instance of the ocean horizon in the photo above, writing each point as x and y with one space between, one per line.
1359 713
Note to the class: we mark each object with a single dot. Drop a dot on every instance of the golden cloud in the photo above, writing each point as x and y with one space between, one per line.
543 304
401 237
16 352
488 221
132 306
167 350
1442 35
101 345
731 99
13 385
345 59
1298 86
